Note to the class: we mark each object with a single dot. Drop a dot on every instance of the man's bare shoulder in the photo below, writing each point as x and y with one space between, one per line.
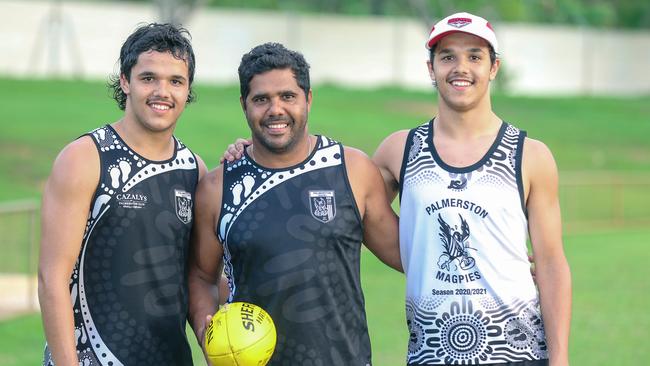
213 178
209 191
201 165
398 137
539 166
355 157
536 147
78 148
78 159
75 173
359 166
537 153
392 148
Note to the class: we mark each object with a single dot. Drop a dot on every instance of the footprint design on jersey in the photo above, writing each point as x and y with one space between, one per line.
86 358
82 337
518 334
101 134
114 172
244 186
125 167
121 170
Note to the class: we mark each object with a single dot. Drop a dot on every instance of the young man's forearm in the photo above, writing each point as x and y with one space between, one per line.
555 295
58 323
203 302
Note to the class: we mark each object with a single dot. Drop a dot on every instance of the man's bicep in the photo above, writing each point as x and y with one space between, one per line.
66 204
543 203
201 166
391 186
388 158
207 252
380 224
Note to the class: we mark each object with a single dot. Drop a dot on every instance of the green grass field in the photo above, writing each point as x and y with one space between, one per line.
598 137
40 117
611 324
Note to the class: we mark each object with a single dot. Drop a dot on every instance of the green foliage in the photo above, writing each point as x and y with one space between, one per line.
628 14
631 14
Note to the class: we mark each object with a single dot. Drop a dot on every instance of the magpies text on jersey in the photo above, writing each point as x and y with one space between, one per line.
453 278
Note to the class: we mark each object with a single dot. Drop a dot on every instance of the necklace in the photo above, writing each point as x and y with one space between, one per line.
252 155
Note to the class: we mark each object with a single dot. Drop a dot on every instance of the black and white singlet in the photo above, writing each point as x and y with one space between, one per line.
129 285
470 298
292 240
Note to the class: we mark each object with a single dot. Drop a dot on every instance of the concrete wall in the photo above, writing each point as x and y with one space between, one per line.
569 60
358 51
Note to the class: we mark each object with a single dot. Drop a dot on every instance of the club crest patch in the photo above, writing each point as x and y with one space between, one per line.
322 205
183 206
459 22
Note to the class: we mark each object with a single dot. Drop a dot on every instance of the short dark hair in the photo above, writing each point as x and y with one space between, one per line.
493 54
272 56
153 37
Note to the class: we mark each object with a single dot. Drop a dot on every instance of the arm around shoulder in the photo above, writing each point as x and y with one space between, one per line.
66 203
552 269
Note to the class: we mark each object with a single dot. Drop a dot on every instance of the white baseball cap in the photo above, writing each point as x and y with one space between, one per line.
465 23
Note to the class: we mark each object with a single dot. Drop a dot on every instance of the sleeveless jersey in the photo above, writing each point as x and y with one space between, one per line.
292 240
470 298
129 284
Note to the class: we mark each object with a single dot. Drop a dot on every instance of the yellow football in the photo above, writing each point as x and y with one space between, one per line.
239 334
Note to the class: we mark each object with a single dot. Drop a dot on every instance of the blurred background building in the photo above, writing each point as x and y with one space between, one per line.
548 47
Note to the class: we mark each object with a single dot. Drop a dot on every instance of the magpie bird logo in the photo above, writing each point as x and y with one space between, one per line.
456 246
183 202
323 205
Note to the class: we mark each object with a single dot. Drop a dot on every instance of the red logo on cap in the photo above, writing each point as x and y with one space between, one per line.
459 22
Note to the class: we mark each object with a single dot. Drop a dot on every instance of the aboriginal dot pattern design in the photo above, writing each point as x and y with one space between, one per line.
128 286
496 169
462 333
304 271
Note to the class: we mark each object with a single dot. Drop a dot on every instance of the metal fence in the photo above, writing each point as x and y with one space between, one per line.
18 242
592 201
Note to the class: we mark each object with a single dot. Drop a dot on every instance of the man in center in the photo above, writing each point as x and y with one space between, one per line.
287 221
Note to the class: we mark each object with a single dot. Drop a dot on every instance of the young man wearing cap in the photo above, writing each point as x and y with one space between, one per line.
472 188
